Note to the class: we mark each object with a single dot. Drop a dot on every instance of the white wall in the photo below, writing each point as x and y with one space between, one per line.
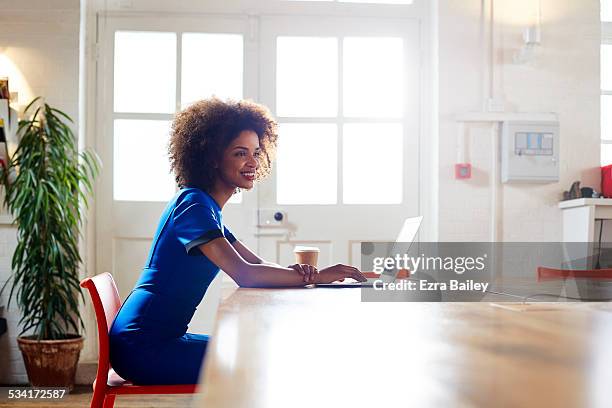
39 40
563 77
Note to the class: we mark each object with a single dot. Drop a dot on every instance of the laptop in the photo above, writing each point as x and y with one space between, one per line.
406 235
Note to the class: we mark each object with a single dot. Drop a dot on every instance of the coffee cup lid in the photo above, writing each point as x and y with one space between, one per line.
303 248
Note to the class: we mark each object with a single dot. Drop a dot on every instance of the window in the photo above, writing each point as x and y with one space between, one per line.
373 80
372 162
307 71
606 82
211 65
340 91
146 96
298 180
606 11
145 68
141 167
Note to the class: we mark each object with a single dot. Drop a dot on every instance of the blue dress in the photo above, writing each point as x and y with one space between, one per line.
149 343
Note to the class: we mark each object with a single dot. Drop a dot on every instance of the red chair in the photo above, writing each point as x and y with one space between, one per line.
552 273
108 384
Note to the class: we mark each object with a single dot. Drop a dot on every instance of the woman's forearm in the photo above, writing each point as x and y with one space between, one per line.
271 264
268 276
248 270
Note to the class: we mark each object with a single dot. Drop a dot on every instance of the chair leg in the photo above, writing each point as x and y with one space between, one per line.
109 401
97 399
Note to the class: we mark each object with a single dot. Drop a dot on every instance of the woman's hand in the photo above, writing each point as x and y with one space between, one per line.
339 272
308 272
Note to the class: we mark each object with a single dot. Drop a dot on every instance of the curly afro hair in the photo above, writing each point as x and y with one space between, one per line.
201 133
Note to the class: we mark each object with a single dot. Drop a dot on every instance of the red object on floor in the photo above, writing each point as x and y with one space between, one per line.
606 181
551 273
108 384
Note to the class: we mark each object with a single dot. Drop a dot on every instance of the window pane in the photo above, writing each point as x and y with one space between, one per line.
145 72
141 170
606 117
372 163
606 10
307 164
606 154
606 67
212 64
373 77
306 76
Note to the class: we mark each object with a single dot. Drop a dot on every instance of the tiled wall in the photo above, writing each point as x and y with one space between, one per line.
39 52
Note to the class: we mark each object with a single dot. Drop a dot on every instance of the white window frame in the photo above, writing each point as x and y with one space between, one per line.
422 10
606 38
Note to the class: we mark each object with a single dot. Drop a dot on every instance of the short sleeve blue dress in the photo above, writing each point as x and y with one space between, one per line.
149 343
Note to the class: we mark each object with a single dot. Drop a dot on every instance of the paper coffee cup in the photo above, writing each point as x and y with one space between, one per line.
306 255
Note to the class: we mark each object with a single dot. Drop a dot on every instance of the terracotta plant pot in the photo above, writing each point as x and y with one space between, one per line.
51 363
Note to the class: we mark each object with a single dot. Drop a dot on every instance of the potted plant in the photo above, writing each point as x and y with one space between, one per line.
46 182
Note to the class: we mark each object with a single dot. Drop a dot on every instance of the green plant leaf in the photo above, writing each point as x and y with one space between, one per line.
32 103
52 180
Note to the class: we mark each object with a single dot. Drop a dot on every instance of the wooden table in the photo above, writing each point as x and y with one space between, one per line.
319 347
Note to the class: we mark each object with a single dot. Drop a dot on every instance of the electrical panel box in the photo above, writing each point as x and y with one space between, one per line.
530 151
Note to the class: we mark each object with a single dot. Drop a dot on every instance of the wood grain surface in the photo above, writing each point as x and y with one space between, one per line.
325 348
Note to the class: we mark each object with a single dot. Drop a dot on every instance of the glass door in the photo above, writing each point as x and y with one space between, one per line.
346 94
149 69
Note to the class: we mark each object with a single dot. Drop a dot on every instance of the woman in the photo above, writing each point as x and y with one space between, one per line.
216 148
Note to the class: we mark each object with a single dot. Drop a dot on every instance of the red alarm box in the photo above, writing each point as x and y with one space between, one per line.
606 181
463 170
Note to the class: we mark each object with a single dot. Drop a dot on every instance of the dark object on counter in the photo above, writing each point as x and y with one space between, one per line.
574 192
587 192
2 326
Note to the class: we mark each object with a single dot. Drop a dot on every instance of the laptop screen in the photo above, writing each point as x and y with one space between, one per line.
402 244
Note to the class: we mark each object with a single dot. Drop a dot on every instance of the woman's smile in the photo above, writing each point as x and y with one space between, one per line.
249 175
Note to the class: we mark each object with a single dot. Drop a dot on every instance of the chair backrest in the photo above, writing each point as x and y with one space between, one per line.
552 273
106 302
